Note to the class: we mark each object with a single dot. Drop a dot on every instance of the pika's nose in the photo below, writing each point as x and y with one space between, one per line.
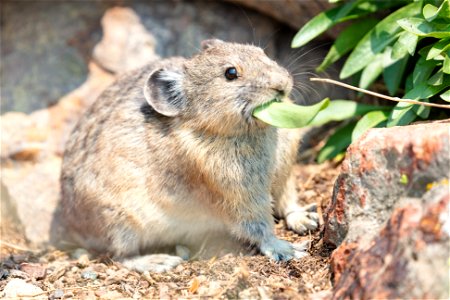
280 93
282 83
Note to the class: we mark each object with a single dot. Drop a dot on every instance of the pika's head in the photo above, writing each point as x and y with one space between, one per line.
217 89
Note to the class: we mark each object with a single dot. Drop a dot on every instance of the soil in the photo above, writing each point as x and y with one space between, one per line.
74 275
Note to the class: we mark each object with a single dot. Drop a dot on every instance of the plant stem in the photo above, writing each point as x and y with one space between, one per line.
396 99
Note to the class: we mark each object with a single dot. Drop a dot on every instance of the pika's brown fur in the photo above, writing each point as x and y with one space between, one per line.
171 153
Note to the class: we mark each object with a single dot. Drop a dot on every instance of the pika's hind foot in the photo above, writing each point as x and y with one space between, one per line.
280 250
303 219
156 263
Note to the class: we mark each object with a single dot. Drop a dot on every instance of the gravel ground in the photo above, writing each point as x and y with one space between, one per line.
74 275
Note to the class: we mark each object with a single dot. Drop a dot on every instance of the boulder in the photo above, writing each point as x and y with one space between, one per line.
389 215
382 167
407 259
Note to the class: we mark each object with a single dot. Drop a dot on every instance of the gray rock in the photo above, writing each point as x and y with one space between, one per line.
46 45
294 13
89 275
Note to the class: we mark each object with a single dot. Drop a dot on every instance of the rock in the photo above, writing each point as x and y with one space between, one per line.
32 148
34 190
126 44
58 294
61 49
389 215
408 259
9 219
89 275
35 271
39 60
382 167
294 13
19 288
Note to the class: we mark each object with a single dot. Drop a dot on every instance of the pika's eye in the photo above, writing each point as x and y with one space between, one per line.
231 73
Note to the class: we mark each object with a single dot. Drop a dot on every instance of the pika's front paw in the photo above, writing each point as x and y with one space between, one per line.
280 250
156 263
304 220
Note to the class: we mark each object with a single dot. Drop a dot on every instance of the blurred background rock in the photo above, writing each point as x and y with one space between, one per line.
46 45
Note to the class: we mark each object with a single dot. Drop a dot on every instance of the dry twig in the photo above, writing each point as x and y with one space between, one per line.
396 99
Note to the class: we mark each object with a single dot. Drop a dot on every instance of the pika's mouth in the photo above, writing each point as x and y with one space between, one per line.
250 107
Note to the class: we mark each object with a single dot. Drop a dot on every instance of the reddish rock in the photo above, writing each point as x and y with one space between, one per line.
408 258
380 168
390 215
35 271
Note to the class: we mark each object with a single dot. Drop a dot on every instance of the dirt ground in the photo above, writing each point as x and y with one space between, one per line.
73 275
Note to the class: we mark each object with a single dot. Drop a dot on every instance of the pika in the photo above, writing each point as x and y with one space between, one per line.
170 154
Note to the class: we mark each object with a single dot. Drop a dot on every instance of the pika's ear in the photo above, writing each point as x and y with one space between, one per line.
163 91
206 44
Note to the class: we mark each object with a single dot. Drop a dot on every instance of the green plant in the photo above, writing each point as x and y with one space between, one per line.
287 115
409 49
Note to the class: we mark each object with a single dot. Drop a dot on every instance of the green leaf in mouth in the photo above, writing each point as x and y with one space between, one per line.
288 115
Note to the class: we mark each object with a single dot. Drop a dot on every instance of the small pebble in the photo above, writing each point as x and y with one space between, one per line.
74 269
83 261
4 274
91 275
58 294
17 287
77 253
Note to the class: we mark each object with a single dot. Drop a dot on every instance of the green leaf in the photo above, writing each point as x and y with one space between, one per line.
383 34
288 115
402 114
444 10
329 18
346 41
405 44
445 95
431 12
423 28
446 66
368 121
424 90
393 75
423 70
438 48
422 110
321 23
339 110
424 51
336 143
437 78
371 71
404 179
409 82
